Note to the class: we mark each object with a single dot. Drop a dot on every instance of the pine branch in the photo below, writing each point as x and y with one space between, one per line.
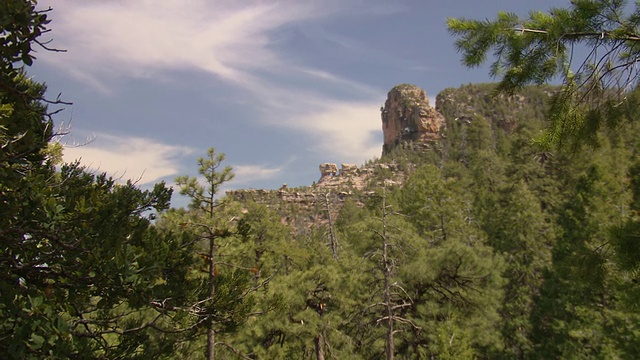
583 34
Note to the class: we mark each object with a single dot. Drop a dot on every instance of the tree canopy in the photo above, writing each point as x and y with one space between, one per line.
85 273
592 48
487 247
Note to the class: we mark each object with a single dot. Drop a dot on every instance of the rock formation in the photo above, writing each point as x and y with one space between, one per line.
328 170
348 170
350 175
407 116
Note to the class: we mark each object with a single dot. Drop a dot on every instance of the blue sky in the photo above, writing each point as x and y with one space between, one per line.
278 86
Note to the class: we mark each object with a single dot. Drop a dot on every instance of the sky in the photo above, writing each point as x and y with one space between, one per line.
279 87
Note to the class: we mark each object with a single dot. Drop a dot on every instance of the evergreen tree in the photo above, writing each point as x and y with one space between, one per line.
581 305
85 274
539 48
518 229
226 301
308 286
382 240
453 276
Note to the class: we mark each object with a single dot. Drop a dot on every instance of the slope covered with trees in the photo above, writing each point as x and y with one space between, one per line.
492 248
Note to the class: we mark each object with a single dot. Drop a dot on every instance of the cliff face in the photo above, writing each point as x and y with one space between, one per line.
407 116
308 207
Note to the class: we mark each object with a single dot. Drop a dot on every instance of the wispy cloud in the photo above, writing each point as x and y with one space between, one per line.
345 130
139 38
233 43
128 158
251 173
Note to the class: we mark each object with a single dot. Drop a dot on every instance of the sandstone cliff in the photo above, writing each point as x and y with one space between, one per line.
308 207
409 124
407 116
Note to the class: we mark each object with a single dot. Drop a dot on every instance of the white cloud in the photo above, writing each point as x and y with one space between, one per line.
138 38
128 158
145 38
328 77
235 43
249 173
344 130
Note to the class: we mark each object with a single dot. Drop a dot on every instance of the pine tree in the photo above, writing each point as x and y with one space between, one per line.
310 286
226 302
579 311
540 48
453 276
85 273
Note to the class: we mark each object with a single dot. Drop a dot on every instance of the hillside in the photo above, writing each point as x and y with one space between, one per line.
464 240
415 133
478 243
471 237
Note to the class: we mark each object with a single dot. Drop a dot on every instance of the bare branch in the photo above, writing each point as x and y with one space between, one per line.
235 351
583 34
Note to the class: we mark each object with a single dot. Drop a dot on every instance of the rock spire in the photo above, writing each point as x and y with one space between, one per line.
407 116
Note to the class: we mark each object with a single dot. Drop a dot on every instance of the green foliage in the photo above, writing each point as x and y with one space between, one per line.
225 299
85 273
21 25
494 247
23 128
626 235
84 265
578 295
463 273
306 283
202 196
540 48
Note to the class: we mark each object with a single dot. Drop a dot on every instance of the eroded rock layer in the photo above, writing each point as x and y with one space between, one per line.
407 116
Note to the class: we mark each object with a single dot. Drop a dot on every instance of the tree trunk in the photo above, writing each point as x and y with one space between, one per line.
332 234
211 332
389 306
319 342
386 263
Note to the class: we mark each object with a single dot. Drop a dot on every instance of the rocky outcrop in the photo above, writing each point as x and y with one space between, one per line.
352 177
330 178
310 202
348 170
328 170
407 116
408 121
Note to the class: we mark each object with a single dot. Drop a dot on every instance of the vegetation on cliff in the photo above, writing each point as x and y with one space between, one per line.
491 248
480 245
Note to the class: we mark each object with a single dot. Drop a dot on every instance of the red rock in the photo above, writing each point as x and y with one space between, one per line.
407 116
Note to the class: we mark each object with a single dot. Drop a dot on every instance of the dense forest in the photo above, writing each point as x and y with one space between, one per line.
494 247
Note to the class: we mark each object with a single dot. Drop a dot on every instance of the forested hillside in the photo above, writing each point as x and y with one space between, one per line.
492 248
477 244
